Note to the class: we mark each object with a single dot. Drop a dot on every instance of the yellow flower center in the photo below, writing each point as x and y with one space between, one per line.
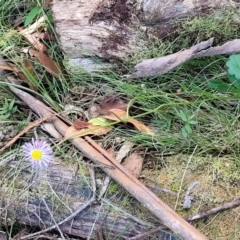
36 154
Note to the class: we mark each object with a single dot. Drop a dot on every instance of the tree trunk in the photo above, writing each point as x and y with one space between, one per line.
63 192
111 29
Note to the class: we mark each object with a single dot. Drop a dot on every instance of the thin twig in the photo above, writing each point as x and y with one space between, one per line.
215 210
26 129
183 176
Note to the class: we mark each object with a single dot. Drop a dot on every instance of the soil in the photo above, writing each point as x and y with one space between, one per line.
7 132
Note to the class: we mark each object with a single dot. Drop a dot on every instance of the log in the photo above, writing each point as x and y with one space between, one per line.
63 190
92 30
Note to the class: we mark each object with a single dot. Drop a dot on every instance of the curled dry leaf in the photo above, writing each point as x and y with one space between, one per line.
133 163
109 103
78 124
123 151
72 132
141 127
38 24
29 68
34 40
44 35
49 127
120 115
8 66
46 62
11 67
111 152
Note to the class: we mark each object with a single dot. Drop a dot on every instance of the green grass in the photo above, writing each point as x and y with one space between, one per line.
156 101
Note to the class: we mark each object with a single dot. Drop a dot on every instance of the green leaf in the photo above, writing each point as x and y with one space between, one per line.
3 111
182 115
50 18
234 81
100 121
221 86
192 122
188 128
184 132
11 104
233 65
31 15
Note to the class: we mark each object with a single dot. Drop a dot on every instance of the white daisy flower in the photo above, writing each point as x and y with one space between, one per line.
38 152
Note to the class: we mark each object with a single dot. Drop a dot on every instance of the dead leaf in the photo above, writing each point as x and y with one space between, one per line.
111 102
46 62
141 127
38 24
49 127
124 150
29 68
117 115
133 163
78 124
11 67
8 67
111 151
120 115
43 35
72 132
34 40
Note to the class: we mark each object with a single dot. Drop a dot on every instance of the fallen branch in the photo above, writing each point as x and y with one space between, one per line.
161 65
148 199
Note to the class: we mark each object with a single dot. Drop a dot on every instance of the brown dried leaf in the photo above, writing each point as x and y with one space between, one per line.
133 164
72 132
105 108
34 40
120 115
29 67
46 62
111 102
11 67
111 152
117 115
8 67
124 150
44 35
141 127
78 124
